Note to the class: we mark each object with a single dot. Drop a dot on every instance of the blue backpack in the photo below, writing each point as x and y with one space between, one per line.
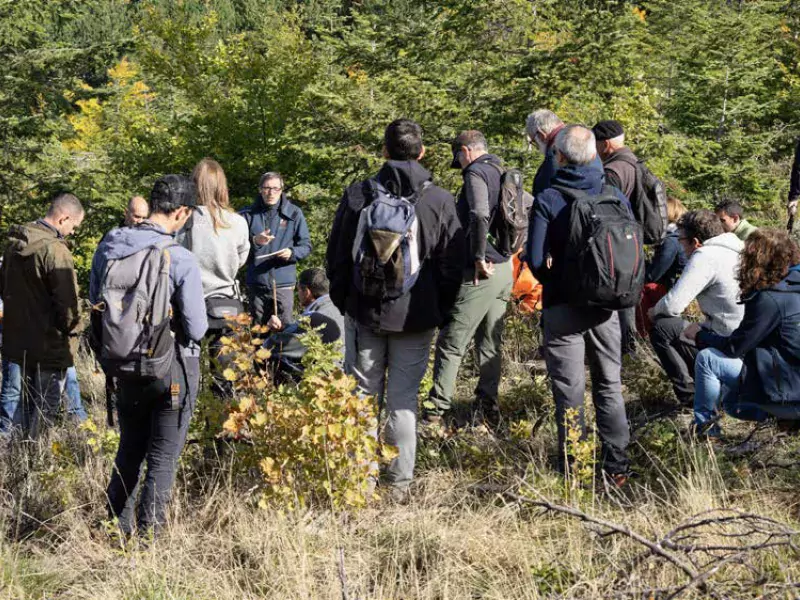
386 259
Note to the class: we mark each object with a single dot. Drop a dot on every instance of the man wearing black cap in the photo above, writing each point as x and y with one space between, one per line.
481 303
154 413
619 164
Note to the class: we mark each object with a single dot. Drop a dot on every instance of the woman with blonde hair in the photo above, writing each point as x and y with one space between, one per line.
220 240
754 373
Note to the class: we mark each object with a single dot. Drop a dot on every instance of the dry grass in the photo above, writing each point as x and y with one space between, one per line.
457 539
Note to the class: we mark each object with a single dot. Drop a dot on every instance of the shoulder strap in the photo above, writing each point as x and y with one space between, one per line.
623 157
499 168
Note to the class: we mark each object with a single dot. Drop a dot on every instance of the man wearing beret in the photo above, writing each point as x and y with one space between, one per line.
619 164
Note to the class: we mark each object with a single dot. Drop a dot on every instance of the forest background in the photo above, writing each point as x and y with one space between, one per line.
101 97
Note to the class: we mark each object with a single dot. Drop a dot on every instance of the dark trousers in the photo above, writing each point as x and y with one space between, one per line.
627 326
152 432
262 303
570 335
40 402
677 356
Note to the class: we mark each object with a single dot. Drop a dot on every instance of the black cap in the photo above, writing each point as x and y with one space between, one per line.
456 164
606 130
174 189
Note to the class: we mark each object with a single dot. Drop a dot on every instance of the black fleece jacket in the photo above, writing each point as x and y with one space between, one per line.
441 249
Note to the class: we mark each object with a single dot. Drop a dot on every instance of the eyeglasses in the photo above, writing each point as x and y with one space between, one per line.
271 189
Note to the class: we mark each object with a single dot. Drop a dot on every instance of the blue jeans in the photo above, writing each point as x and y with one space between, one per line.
12 389
9 395
716 382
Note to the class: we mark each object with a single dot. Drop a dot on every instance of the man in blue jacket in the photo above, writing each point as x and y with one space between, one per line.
154 415
279 239
571 331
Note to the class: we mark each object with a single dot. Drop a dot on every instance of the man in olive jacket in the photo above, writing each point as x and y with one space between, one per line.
40 293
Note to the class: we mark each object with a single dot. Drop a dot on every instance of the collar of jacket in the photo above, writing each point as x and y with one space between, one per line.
481 159
263 207
44 223
551 137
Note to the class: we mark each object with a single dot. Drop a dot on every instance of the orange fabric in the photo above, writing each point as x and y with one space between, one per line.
527 291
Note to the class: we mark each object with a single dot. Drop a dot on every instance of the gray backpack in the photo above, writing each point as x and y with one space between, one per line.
135 336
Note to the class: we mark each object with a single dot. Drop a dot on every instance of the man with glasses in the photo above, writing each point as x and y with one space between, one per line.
279 238
708 277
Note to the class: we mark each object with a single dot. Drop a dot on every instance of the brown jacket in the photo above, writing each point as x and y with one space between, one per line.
40 294
620 170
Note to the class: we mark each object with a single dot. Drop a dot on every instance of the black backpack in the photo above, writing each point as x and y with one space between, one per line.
649 200
604 256
510 221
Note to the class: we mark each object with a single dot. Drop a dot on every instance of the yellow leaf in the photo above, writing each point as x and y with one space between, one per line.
229 374
246 403
263 354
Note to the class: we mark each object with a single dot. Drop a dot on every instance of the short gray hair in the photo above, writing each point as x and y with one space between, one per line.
541 120
576 143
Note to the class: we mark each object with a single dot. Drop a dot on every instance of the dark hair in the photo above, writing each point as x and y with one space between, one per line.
766 258
270 175
66 204
732 208
701 224
403 140
315 280
170 192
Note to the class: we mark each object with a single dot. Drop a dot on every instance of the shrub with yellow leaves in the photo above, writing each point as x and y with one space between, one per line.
312 443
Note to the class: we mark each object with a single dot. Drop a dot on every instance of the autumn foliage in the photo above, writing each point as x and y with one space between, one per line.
313 443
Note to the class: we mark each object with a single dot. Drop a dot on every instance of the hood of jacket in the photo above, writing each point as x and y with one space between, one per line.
27 240
580 177
126 241
403 177
790 283
726 241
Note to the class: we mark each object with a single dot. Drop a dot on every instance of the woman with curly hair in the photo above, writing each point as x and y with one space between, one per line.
755 371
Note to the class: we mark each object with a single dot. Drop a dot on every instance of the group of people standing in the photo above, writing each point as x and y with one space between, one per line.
407 265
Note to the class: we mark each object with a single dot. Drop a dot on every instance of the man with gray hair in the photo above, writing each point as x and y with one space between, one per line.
480 306
279 239
541 128
572 329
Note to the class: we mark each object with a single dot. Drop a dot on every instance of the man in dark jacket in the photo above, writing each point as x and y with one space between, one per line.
486 284
542 127
279 240
569 330
40 294
154 415
313 291
392 337
619 165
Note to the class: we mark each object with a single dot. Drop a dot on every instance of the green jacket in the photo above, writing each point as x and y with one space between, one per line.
744 229
40 293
